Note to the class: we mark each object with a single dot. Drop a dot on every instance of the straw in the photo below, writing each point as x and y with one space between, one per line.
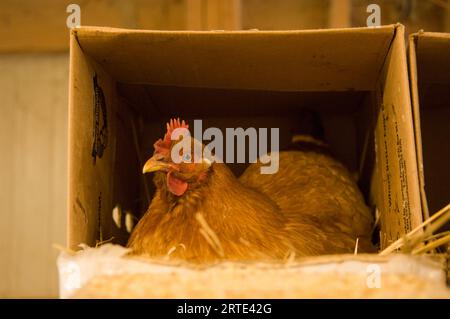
421 234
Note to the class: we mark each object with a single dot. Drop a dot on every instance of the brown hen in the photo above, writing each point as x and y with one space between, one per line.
202 213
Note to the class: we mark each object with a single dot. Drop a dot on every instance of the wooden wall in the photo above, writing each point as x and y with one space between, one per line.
33 166
30 25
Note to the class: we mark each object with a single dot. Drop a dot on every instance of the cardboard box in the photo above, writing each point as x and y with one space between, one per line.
125 84
429 64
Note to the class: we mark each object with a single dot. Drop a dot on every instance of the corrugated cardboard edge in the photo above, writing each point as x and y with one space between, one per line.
95 30
416 209
72 42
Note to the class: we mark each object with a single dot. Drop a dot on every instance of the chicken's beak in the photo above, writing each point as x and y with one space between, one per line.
156 163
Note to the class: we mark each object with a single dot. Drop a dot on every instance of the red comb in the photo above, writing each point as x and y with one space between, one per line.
164 145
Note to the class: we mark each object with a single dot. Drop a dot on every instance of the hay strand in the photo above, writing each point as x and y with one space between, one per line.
416 239
432 245
209 235
356 247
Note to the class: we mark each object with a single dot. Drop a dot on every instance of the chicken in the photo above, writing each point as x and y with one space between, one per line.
202 213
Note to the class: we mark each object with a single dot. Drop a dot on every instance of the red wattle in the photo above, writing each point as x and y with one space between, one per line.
176 186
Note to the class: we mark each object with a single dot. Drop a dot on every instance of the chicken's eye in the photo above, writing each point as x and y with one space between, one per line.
187 157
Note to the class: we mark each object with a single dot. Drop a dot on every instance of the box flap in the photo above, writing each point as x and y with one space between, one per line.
416 118
91 102
429 65
397 161
262 60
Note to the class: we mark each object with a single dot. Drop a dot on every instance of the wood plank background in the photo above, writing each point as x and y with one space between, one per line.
28 25
33 167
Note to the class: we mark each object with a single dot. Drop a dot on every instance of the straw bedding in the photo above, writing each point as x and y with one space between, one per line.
106 272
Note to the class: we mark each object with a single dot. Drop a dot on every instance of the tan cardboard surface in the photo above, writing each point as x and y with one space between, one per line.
400 208
90 185
320 60
429 63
